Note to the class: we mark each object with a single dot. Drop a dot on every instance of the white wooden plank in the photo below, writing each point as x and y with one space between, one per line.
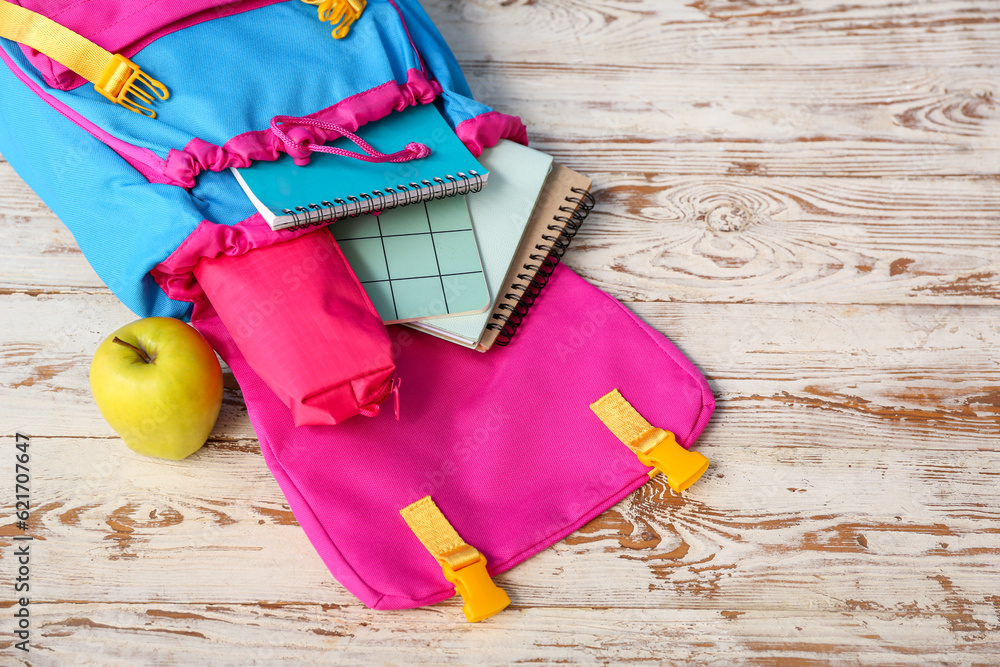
793 240
889 376
159 634
48 344
782 528
787 120
690 238
748 33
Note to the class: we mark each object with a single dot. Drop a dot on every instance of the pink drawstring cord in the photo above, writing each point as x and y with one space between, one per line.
301 150
373 410
395 393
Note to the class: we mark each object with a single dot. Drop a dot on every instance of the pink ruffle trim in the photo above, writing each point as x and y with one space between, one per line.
183 166
175 274
485 130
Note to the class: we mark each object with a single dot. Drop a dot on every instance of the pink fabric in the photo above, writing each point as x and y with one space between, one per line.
145 161
175 275
305 325
123 27
301 151
504 442
183 166
485 130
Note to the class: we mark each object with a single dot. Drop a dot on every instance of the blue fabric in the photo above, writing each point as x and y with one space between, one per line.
457 108
433 49
233 74
455 103
226 76
121 222
275 60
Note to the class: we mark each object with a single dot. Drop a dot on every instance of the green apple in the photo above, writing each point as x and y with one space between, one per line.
159 385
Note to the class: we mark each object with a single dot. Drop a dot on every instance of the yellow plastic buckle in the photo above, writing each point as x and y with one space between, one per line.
482 597
340 13
681 466
463 564
122 79
655 447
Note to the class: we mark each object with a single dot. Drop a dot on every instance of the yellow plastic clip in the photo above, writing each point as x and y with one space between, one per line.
654 446
124 83
482 598
115 76
340 13
462 564
681 466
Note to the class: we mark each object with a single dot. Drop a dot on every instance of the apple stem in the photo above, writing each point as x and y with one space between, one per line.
142 353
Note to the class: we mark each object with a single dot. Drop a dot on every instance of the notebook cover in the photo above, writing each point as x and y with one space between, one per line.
417 261
280 184
500 215
558 187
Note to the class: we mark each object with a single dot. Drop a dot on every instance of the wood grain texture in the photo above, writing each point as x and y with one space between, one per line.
741 33
773 369
783 121
771 527
703 239
795 240
803 196
303 633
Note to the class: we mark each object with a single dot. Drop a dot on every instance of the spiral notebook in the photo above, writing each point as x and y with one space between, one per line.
332 187
562 208
524 222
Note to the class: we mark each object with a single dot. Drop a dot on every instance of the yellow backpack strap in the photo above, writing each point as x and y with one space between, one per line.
463 564
115 76
654 446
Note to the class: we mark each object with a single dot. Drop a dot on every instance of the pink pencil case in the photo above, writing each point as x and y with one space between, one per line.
305 326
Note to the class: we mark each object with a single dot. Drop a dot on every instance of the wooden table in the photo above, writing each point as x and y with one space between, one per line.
803 196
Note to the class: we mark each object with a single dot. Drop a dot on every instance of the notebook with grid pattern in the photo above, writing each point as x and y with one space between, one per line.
418 261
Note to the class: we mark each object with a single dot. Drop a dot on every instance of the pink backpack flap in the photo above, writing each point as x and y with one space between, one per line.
503 447
305 325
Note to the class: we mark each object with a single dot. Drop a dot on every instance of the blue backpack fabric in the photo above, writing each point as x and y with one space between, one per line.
228 76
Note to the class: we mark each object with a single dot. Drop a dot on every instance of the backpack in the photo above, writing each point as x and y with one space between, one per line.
488 458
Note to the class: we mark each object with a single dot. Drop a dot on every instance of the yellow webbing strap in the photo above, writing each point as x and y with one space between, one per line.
654 446
462 564
115 76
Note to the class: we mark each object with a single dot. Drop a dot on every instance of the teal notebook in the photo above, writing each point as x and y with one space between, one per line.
332 187
500 216
418 261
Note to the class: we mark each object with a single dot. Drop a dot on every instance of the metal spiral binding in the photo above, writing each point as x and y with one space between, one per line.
377 201
524 293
